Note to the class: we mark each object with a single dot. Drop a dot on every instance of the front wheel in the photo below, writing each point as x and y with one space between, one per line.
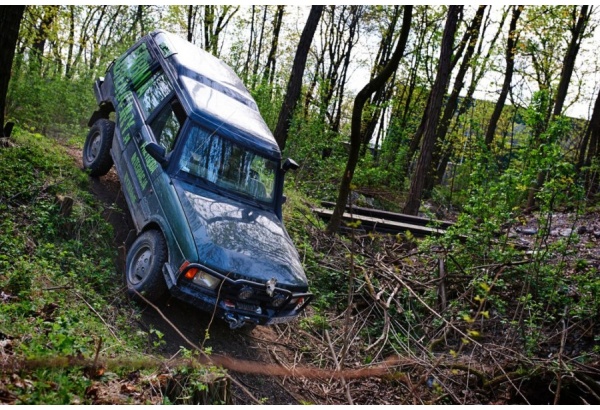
144 266
96 150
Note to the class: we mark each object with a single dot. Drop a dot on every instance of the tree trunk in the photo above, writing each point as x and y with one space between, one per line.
192 15
355 133
259 51
513 37
295 82
41 36
269 74
337 112
432 114
385 93
250 44
592 146
10 21
569 60
476 76
450 108
71 41
140 19
214 25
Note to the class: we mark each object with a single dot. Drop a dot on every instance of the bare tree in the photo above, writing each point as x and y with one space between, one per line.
577 33
357 111
432 114
295 82
269 73
513 38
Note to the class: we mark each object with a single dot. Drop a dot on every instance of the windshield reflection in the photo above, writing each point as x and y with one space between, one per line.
228 165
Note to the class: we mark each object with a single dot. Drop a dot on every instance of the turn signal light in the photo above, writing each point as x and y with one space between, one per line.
191 273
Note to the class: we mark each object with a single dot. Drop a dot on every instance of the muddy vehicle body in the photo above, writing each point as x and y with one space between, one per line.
203 179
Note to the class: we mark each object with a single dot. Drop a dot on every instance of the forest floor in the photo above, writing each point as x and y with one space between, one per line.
294 348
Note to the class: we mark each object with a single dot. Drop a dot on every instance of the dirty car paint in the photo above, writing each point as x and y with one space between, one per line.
234 237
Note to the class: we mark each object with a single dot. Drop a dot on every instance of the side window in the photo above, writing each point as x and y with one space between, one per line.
166 124
134 69
154 92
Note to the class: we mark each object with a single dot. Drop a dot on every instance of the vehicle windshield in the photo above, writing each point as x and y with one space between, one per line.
228 165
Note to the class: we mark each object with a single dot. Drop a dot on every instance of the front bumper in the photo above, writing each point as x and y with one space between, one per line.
226 304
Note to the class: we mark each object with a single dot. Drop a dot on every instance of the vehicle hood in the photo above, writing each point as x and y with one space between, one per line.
235 237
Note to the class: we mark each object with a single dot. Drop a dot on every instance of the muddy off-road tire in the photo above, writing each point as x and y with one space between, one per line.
96 150
144 266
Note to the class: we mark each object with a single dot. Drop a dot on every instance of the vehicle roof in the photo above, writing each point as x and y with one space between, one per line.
214 94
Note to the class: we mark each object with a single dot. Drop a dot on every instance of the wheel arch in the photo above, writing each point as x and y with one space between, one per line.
103 111
172 257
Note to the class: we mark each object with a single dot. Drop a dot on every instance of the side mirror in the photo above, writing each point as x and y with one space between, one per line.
289 164
158 152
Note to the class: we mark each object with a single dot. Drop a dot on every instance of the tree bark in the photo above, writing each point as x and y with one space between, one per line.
432 114
10 21
355 133
513 37
295 82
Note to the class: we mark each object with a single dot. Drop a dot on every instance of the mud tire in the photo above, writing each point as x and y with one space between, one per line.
96 150
144 266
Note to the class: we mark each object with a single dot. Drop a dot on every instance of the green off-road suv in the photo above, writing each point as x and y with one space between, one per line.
203 179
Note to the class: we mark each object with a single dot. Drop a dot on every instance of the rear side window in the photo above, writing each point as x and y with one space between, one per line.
154 92
134 69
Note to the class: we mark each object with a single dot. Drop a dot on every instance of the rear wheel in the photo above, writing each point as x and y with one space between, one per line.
96 150
144 266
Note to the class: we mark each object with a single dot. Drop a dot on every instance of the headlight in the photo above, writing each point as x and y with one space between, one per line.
202 278
246 292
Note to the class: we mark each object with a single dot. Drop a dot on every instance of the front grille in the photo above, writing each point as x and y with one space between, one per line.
247 307
259 299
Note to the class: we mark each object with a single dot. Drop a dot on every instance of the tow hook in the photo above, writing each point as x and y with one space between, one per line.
234 323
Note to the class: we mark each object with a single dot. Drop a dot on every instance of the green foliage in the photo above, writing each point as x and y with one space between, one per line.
269 99
310 141
57 271
51 104
480 245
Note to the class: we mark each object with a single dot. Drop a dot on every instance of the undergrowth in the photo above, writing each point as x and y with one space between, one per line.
62 305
